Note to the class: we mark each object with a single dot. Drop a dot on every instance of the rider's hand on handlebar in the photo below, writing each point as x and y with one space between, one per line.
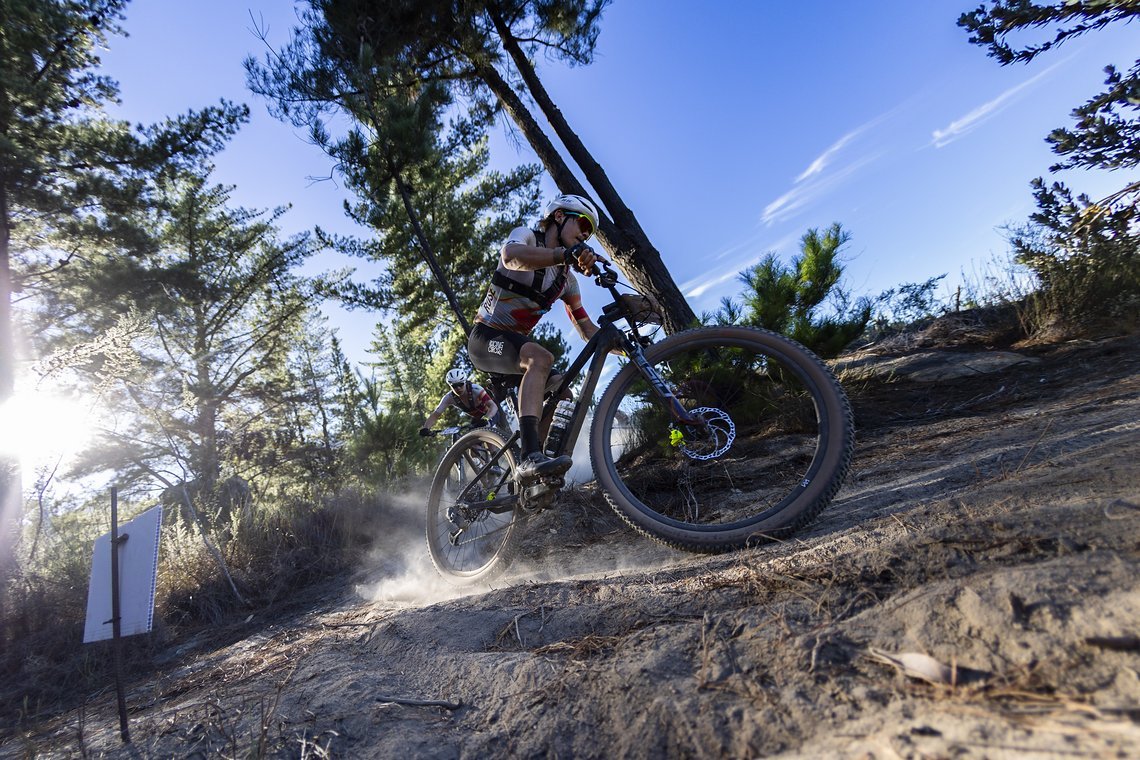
581 257
479 423
425 432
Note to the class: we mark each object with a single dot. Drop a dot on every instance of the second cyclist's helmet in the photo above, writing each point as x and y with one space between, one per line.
456 376
575 203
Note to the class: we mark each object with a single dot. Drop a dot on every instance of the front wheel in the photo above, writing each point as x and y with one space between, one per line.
767 443
473 514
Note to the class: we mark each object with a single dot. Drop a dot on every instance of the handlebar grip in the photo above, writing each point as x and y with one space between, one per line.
595 270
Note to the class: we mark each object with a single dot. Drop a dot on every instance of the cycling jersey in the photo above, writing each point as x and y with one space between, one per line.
517 299
478 402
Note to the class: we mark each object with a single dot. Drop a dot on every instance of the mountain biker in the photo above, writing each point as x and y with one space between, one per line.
534 270
467 396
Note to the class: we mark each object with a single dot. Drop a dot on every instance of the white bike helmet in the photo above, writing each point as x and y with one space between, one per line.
575 203
456 376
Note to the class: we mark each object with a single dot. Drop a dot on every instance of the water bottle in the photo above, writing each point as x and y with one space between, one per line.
562 414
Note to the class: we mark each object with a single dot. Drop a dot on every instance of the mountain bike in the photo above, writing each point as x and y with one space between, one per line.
712 439
460 472
452 433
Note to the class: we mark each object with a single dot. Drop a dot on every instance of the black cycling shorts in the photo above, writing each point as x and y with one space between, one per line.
494 350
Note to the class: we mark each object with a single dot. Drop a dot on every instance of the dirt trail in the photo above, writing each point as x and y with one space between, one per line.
990 522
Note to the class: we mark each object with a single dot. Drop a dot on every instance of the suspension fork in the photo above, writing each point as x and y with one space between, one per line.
660 388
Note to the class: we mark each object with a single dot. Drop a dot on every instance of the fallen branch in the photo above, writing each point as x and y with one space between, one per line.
421 702
1115 643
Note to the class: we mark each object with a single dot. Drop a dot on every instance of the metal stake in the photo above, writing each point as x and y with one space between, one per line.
116 632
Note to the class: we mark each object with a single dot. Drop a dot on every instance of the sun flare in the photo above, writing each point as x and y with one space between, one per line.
38 427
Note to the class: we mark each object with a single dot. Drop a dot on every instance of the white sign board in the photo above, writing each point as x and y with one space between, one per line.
138 570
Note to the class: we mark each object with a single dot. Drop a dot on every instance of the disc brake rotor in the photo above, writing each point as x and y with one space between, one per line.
707 441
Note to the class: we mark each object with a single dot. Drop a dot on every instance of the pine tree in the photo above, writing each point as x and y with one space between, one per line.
1084 252
70 179
790 299
465 46
225 310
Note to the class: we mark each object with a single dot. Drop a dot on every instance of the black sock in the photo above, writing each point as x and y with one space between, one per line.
528 425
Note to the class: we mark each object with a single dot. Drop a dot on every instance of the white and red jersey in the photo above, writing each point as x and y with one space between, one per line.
473 400
517 299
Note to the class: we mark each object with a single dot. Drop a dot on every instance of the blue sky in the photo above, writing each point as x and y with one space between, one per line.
730 128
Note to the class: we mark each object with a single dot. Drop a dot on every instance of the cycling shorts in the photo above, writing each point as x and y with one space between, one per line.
494 350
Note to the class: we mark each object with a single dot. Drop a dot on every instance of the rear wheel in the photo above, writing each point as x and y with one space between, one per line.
473 528
770 445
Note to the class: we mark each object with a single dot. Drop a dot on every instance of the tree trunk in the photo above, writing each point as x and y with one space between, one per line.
429 253
10 485
631 248
9 467
206 468
7 340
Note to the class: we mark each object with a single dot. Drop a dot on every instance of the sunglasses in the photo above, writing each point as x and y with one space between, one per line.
459 386
584 222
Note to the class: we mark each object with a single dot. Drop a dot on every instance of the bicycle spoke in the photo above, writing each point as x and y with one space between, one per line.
763 423
471 526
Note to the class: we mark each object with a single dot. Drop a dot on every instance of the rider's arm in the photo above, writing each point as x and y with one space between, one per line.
483 407
572 298
435 415
522 252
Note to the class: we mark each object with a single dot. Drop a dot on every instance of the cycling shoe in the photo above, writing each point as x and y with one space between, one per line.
538 465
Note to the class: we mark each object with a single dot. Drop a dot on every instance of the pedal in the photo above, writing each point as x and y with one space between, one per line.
539 495
542 489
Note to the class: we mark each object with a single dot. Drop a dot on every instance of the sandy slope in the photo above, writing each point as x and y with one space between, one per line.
991 522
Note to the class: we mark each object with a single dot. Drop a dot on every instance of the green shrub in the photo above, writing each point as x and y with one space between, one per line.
803 300
1085 257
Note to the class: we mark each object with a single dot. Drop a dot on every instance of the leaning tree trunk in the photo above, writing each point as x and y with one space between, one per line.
429 252
7 341
640 262
9 466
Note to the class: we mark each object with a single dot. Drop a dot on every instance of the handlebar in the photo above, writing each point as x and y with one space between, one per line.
646 311
605 276
455 429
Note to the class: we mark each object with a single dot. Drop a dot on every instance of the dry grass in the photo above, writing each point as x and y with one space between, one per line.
43 666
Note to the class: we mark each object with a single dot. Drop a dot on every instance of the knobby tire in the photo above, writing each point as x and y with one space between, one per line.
490 540
789 422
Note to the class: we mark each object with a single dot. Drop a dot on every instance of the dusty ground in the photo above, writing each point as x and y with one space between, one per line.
991 522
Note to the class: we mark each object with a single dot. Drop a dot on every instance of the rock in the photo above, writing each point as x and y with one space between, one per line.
928 366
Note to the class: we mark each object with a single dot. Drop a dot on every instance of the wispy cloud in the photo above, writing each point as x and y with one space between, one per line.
814 181
700 286
820 163
963 126
804 193
824 158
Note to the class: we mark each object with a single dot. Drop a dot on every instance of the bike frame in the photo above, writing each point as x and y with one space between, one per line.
597 348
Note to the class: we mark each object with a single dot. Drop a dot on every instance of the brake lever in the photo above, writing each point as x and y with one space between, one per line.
605 279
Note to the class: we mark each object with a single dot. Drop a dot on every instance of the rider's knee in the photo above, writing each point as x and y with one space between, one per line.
535 357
